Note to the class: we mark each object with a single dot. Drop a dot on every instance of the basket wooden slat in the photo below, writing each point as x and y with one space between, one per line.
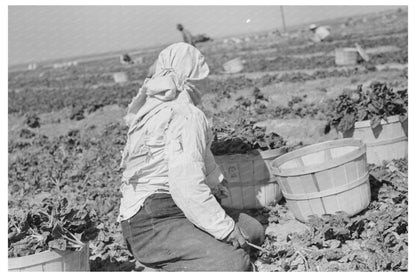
251 182
389 141
120 77
346 56
324 178
52 261
233 66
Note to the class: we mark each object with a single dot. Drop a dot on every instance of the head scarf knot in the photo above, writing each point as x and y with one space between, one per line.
176 65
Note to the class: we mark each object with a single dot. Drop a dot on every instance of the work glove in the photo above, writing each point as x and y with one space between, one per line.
237 238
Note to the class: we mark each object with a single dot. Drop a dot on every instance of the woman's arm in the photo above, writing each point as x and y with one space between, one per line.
215 179
214 174
186 151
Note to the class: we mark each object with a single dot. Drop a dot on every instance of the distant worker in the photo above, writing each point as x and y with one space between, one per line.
201 38
126 59
320 33
187 36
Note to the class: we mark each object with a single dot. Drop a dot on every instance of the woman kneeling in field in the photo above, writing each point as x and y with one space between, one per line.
169 214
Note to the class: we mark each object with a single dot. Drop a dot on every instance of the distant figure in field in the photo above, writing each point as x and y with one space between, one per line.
187 36
201 38
126 59
320 33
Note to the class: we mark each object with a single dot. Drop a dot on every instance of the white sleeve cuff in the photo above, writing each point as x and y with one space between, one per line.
227 231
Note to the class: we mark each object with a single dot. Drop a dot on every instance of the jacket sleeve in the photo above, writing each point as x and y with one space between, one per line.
214 175
187 177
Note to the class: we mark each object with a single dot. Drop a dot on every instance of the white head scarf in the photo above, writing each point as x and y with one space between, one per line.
176 65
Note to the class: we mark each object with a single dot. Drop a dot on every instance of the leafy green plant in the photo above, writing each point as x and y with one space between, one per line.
243 137
374 240
32 120
81 167
375 104
55 225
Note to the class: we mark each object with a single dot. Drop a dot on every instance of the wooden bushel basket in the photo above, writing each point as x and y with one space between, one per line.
234 66
250 180
53 261
387 142
346 56
325 178
120 77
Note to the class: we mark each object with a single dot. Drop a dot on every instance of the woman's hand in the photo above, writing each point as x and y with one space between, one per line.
223 189
236 238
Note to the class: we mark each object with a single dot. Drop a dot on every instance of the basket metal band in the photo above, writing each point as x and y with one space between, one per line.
332 191
386 141
253 155
264 182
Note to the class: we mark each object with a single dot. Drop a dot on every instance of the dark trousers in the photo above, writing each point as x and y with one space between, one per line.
160 236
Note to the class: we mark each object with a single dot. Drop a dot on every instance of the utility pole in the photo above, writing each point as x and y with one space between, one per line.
283 18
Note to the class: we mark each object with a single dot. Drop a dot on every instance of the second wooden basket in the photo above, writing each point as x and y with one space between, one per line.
325 178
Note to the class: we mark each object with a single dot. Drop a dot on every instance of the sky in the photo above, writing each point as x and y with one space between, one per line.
38 33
